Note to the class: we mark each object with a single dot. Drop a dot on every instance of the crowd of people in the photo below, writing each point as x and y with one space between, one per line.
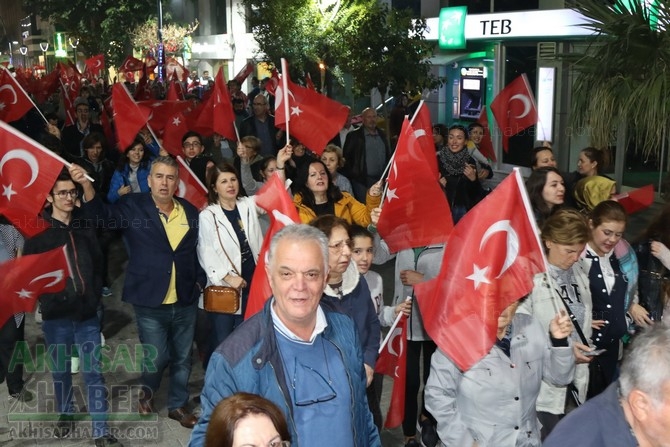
305 364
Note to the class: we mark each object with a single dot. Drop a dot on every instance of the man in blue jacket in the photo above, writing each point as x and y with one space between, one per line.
163 278
302 356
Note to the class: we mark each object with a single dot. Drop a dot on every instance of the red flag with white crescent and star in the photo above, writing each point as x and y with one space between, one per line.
131 64
423 131
314 119
190 188
489 262
514 108
14 102
392 362
94 65
244 73
415 212
174 130
129 117
28 171
162 111
24 279
275 200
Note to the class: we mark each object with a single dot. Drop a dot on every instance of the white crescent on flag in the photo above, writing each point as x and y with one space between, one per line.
526 103
512 242
57 276
27 157
11 89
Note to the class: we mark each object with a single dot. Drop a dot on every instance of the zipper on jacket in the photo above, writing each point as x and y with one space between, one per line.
76 264
288 405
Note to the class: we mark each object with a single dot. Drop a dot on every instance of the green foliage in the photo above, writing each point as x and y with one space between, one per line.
380 47
102 26
623 76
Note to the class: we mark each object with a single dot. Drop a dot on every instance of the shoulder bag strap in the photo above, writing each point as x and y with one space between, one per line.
221 243
575 323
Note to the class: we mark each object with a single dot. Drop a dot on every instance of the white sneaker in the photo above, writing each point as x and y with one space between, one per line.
74 365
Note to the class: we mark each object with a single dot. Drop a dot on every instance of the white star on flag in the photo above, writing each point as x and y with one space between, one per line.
479 276
296 111
24 294
2 106
390 194
176 121
8 191
157 104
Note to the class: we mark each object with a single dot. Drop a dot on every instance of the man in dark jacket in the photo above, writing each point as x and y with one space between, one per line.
366 154
262 125
163 278
73 134
70 317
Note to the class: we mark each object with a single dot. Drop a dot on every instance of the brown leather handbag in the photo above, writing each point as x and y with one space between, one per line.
222 299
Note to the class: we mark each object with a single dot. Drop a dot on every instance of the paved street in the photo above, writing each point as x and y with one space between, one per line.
30 423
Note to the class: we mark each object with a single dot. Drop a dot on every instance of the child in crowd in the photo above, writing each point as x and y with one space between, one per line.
362 254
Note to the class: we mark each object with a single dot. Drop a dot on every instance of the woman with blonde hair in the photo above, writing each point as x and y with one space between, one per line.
565 286
334 160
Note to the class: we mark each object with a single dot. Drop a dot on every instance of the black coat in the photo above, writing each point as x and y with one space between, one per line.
653 281
81 296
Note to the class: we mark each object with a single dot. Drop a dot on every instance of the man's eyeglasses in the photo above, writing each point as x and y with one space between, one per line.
63 194
337 248
259 104
194 145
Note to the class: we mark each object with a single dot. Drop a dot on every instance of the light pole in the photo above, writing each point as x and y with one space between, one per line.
73 43
24 50
44 46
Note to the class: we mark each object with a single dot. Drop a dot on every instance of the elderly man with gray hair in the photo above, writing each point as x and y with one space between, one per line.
297 353
633 411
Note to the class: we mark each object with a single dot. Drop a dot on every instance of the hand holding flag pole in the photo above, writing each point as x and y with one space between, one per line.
393 326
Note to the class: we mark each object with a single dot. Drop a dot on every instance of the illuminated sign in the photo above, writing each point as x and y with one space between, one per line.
514 25
452 28
60 46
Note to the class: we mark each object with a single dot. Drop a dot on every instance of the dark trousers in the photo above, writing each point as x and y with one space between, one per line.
374 392
414 380
9 335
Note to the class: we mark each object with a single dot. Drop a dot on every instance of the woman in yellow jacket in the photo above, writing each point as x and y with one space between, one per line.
316 195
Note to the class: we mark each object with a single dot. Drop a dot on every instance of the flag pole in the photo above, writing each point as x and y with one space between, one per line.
533 223
284 83
39 146
393 326
237 132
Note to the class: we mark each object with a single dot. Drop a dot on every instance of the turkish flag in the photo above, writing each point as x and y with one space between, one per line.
131 64
275 200
175 128
128 116
314 118
423 131
216 114
190 188
95 64
14 102
514 108
150 63
175 91
46 86
486 145
106 124
163 111
28 172
172 65
24 279
415 212
142 92
392 362
489 262
70 81
245 72
637 199
273 82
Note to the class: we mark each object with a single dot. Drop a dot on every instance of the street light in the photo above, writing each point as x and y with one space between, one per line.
73 43
23 49
44 46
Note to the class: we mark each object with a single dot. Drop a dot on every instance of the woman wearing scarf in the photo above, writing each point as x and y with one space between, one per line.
458 172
